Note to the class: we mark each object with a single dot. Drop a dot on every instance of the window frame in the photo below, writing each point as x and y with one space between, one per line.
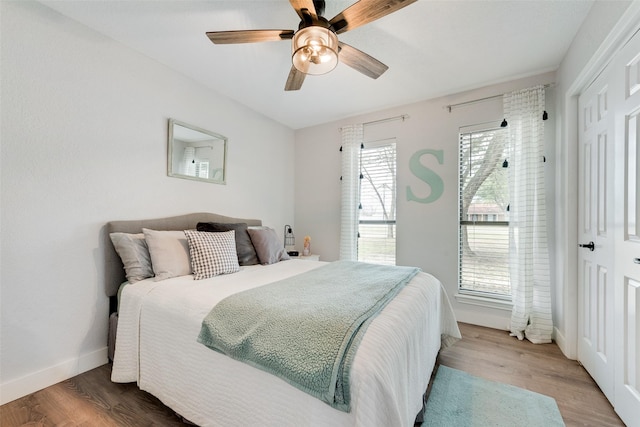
464 294
370 145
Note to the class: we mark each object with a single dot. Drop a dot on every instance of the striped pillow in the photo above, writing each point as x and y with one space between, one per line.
212 254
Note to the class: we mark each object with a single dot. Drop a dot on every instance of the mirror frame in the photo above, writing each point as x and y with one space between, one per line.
215 136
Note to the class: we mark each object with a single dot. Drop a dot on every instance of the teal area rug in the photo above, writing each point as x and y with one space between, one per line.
460 399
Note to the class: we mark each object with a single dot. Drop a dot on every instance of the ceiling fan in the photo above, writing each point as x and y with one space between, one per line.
315 44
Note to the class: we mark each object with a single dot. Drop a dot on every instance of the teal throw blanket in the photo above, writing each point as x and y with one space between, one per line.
305 329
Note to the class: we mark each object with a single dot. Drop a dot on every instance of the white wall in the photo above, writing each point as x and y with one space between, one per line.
84 131
427 233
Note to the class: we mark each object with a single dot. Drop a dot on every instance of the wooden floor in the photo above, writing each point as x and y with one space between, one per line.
91 399
494 355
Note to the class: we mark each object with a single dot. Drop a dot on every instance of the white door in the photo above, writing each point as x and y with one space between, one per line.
627 232
609 216
595 233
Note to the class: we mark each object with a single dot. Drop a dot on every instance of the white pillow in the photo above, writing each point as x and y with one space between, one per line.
169 253
134 254
212 253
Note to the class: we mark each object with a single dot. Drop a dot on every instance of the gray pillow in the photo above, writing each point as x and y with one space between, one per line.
134 254
169 253
246 252
268 246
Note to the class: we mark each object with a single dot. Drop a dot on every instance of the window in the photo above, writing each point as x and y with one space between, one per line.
377 218
484 209
202 169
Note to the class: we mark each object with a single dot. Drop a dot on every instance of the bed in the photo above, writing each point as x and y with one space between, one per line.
156 345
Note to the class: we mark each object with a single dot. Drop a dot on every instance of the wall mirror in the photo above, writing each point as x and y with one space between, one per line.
196 153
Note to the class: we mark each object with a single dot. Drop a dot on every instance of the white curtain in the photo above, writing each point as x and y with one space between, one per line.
351 142
529 257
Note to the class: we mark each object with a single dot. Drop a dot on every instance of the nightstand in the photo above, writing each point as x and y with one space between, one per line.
311 257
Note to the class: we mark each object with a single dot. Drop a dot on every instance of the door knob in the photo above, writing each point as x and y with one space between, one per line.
589 245
636 260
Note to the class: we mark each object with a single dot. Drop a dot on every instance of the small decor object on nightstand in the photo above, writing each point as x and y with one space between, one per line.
307 246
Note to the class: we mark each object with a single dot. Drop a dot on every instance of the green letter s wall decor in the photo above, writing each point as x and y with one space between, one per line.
427 175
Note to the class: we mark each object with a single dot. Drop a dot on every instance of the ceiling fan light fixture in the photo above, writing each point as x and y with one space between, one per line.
315 50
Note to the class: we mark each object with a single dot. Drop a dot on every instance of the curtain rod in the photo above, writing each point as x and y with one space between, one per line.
487 98
402 117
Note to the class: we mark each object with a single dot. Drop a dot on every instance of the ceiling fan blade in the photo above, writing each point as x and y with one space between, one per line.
249 36
360 61
295 79
298 5
365 11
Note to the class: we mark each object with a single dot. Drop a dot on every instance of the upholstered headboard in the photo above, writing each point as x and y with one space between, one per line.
114 270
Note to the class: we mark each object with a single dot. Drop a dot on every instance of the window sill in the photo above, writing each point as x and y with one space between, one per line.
483 301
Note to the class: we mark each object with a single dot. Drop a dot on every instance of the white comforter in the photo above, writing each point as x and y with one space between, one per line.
156 346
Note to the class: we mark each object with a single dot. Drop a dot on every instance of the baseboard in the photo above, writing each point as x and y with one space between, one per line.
15 389
561 341
488 320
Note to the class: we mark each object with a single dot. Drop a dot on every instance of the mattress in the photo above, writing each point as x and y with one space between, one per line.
157 347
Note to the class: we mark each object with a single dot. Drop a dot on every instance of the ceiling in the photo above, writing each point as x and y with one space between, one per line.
432 48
